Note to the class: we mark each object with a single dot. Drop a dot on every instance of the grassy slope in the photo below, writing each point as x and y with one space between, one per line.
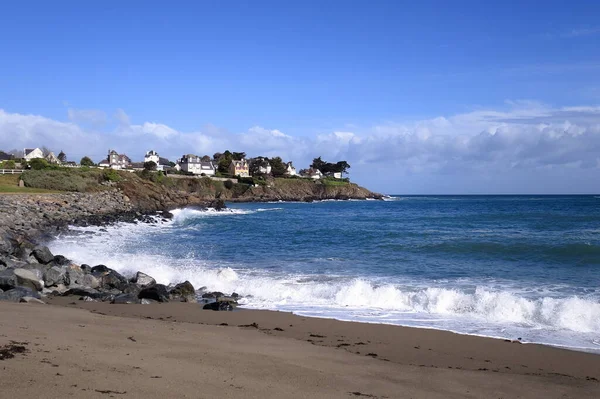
9 184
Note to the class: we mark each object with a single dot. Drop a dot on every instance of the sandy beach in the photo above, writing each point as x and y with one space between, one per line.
79 349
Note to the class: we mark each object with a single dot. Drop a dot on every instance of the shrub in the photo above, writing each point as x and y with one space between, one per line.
111 175
10 164
63 180
38 164
228 184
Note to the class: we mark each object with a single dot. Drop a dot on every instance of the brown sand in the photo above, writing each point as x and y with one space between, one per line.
177 350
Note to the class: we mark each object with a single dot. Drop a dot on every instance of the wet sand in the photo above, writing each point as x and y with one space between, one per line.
86 349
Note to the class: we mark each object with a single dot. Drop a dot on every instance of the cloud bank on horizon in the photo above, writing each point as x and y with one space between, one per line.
526 147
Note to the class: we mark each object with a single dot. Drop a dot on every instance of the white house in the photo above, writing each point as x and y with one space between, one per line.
194 164
161 163
335 175
152 156
290 170
312 173
32 153
115 161
53 158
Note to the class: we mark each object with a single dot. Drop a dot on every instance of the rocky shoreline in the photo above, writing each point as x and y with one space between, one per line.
29 272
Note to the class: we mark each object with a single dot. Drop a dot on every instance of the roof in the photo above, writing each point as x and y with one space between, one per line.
29 150
5 156
206 165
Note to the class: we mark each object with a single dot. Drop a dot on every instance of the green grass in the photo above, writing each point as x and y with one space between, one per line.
333 182
9 184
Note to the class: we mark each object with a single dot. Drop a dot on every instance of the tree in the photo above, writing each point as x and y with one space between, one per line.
46 151
342 167
256 165
86 161
10 164
62 157
205 158
150 165
278 168
217 156
238 156
38 164
318 163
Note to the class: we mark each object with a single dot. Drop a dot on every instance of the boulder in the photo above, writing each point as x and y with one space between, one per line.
183 292
42 255
55 275
109 279
60 260
30 299
158 292
86 268
218 306
15 294
143 280
229 299
88 280
81 291
125 299
8 280
215 294
37 268
100 269
27 278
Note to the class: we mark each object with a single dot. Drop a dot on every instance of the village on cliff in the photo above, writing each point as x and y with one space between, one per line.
220 165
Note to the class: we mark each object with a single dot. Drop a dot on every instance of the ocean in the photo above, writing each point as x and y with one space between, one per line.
513 267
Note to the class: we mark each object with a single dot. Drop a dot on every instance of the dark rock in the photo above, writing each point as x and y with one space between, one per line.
158 292
215 294
80 291
17 293
60 260
86 268
143 280
184 292
8 279
109 278
100 269
218 306
42 255
235 295
125 298
56 275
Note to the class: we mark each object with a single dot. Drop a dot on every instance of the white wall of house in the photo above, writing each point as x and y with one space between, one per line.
152 158
291 171
36 153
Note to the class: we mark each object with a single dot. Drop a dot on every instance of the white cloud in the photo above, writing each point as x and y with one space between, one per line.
524 146
91 116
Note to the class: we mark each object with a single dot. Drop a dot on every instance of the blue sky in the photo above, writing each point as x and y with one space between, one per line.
408 80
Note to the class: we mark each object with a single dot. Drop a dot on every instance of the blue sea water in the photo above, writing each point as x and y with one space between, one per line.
503 266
